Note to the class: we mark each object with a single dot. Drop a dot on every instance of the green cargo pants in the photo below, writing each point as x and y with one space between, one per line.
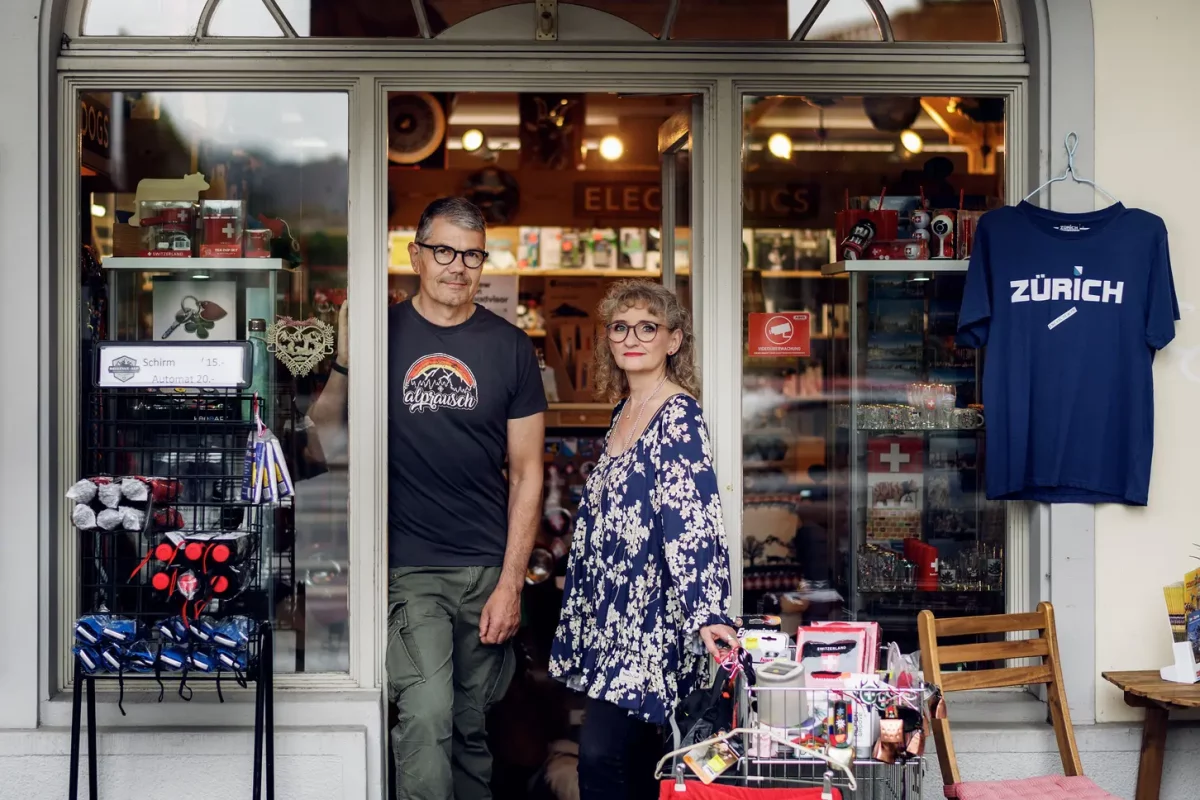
443 680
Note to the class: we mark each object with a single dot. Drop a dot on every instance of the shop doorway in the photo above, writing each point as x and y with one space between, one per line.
579 190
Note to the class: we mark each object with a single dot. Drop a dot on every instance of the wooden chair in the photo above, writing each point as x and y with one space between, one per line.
1044 647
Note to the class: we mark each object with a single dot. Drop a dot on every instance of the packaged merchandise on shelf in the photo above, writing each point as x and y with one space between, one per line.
166 228
897 250
966 222
529 248
942 230
858 227
550 248
572 256
221 226
258 243
633 248
602 252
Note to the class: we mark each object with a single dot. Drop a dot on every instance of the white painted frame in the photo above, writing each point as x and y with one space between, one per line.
363 670
724 72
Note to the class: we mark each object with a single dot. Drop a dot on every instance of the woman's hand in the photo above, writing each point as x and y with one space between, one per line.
712 634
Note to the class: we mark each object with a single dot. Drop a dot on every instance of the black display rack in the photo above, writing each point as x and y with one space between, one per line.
195 442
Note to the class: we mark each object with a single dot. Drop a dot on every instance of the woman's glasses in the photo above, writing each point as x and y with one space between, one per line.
644 331
445 255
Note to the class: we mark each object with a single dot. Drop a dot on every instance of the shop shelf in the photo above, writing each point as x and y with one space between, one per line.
196 264
775 274
931 265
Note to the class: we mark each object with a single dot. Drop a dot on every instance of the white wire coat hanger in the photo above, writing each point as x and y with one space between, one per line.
1072 144
775 737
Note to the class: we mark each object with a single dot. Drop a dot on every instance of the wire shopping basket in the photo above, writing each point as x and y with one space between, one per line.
802 743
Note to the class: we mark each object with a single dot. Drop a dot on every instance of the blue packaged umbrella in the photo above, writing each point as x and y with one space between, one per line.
234 633
172 659
232 660
139 657
173 629
202 661
90 629
88 659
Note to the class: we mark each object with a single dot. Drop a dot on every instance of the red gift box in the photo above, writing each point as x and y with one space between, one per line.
166 229
898 250
221 228
925 559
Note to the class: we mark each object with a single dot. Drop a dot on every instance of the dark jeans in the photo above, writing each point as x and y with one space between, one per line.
617 754
443 680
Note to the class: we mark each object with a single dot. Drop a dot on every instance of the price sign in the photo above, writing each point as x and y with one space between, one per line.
145 365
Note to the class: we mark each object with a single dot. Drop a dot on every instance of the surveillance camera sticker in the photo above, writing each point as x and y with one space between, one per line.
782 335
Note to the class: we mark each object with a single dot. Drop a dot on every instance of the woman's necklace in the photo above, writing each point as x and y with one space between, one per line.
638 418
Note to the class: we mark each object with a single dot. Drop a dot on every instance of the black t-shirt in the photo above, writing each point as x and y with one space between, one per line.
451 392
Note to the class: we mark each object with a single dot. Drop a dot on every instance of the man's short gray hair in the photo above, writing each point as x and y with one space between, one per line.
459 212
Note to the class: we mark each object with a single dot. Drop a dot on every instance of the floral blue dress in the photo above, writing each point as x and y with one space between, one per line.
648 568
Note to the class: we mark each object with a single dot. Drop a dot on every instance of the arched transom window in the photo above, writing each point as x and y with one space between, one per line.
678 20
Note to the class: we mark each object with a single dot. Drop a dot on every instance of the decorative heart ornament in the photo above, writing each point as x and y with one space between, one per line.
300 344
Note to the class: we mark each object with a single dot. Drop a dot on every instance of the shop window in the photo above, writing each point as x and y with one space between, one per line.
862 437
240 246
695 20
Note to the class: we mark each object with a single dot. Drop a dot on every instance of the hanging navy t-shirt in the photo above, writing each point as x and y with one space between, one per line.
1072 308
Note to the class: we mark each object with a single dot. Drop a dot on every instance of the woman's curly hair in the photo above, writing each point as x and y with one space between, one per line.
610 381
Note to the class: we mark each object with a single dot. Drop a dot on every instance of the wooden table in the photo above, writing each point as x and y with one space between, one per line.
1147 690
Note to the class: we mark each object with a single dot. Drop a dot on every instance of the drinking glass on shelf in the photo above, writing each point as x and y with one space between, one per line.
944 400
967 419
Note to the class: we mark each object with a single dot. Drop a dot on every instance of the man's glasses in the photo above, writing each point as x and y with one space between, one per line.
445 255
644 331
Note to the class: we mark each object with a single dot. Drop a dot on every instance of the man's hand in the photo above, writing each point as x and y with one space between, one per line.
501 615
343 334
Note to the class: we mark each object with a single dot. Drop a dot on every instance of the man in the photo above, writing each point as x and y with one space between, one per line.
465 405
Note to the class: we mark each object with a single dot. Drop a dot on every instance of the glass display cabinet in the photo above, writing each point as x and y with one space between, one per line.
906 453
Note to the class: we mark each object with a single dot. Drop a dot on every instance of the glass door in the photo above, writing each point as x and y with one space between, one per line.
675 157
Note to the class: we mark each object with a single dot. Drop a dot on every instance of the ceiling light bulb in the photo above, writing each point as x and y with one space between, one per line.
99 210
611 147
472 140
912 141
780 145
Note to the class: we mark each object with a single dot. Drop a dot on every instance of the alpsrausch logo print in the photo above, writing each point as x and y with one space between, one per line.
439 381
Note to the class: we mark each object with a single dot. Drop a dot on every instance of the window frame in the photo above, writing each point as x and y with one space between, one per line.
68 385
1008 12
365 67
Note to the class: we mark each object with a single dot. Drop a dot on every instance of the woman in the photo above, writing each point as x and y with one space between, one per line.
647 589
